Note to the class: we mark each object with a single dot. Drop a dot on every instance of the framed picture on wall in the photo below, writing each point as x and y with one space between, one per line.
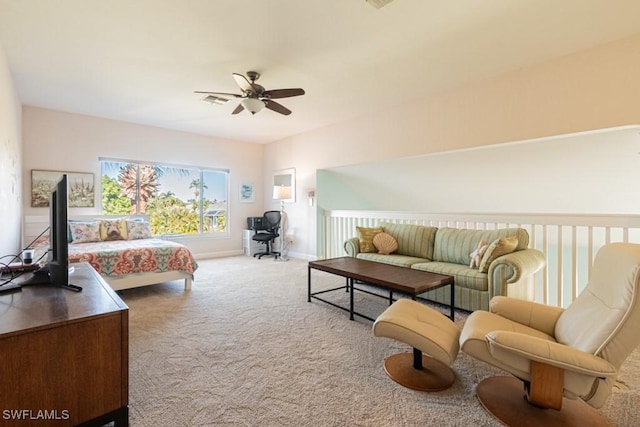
80 193
247 192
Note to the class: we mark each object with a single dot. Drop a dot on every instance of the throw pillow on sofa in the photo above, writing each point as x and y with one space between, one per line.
365 236
385 243
499 247
476 256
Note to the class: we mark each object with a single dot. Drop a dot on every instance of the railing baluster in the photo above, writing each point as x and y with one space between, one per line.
559 272
590 251
545 279
574 264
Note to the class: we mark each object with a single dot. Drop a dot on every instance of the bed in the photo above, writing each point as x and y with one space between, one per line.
126 263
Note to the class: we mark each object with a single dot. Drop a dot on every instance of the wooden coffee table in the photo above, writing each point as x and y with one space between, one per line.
393 278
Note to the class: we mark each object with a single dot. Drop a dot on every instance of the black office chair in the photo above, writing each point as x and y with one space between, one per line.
268 233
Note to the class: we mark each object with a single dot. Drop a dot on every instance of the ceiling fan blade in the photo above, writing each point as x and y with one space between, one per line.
244 84
278 108
232 95
283 93
238 109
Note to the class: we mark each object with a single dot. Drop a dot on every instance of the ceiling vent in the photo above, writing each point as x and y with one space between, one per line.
378 3
211 99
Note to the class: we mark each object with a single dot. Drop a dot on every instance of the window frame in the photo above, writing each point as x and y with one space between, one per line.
173 166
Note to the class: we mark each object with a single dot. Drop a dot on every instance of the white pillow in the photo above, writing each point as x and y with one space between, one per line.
84 232
138 230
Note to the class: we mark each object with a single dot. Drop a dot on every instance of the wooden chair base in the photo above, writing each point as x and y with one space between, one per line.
503 397
433 376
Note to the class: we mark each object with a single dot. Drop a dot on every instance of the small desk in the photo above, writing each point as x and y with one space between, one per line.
390 277
66 353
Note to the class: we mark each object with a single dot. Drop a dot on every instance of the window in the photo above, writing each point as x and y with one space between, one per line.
177 200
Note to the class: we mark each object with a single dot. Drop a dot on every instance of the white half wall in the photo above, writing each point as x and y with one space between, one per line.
591 173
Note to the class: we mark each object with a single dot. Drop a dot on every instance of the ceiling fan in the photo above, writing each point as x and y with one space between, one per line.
254 96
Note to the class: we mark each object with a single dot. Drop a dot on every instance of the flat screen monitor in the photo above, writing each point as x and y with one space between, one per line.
58 250
56 272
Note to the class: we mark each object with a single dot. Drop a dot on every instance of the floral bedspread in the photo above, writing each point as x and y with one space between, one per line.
120 257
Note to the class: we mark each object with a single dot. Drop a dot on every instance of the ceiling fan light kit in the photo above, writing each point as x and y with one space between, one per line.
252 105
254 96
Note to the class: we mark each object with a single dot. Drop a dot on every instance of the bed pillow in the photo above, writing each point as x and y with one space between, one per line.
69 235
113 229
84 232
138 229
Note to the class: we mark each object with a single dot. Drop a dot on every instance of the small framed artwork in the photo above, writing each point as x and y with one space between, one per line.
80 191
247 192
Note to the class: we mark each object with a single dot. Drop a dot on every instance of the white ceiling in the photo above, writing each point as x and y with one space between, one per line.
140 60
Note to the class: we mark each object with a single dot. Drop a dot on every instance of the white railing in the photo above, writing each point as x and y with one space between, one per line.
578 236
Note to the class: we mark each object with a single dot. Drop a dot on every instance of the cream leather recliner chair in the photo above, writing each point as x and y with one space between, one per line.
564 357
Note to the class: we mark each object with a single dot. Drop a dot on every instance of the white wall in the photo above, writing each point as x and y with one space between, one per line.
590 90
10 164
596 172
55 140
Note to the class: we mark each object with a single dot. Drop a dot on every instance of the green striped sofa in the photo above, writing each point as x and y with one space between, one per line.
448 251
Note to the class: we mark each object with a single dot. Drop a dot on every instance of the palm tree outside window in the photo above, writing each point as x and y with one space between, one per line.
177 199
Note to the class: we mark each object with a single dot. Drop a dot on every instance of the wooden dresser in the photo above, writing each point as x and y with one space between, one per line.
64 355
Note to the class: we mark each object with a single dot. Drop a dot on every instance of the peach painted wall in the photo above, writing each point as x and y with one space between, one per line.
594 89
10 164
55 140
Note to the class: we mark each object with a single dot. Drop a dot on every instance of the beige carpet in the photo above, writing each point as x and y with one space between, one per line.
245 348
